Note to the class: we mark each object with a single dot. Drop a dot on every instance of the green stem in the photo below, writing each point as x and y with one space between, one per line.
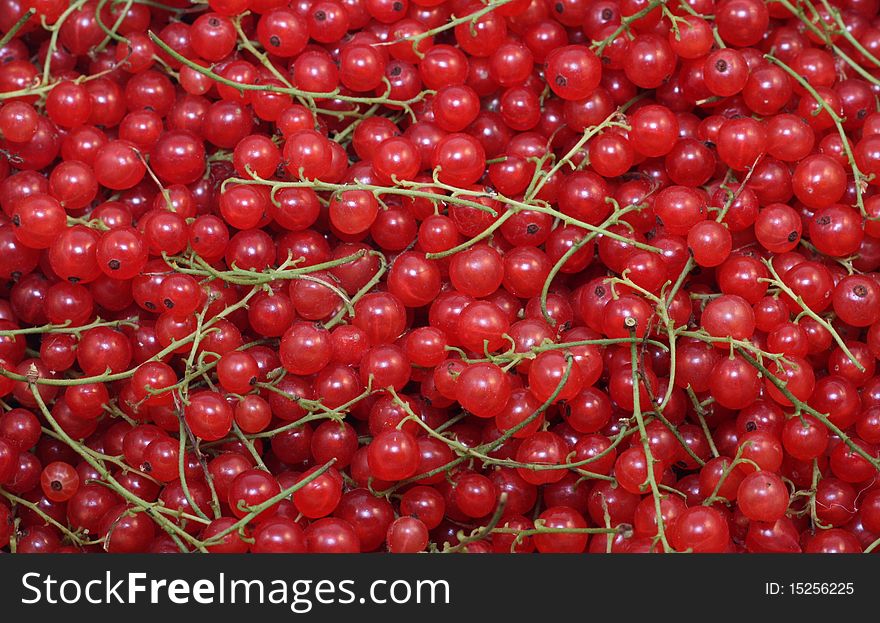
858 176
111 32
131 321
169 526
334 95
650 461
781 385
17 26
256 510
624 25
777 281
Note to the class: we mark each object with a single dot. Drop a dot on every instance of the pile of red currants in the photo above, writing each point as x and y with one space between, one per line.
439 275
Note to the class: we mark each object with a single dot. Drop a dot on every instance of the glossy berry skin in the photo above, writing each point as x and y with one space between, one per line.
118 165
370 516
305 349
319 496
818 181
407 535
121 253
358 276
127 532
710 243
278 535
353 211
393 455
742 22
563 543
741 142
460 159
250 489
483 389
649 61
331 536
700 530
762 496
478 271
778 228
307 154
38 220
59 481
474 494
548 379
729 316
734 383
573 72
178 157
209 416
543 448
853 300
237 372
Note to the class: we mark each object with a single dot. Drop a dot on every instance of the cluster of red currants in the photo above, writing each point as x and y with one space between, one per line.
439 275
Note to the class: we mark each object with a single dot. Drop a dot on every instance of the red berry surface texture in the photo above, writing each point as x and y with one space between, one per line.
529 276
